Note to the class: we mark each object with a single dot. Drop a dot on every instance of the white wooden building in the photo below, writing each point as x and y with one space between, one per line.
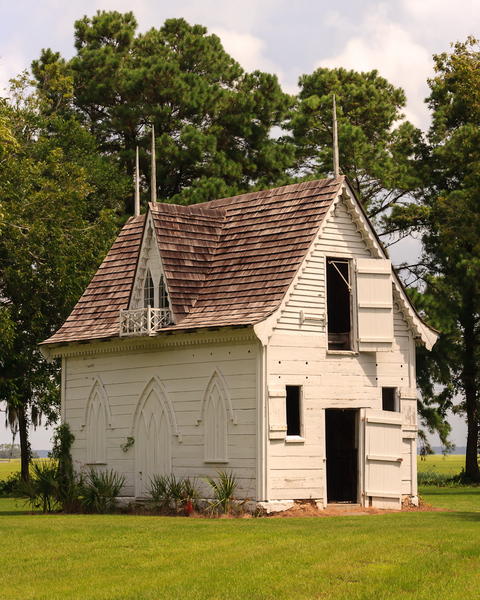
264 334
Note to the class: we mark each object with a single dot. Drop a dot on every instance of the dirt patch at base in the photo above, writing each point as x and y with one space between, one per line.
306 508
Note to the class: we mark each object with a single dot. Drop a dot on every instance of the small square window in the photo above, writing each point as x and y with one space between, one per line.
389 399
294 422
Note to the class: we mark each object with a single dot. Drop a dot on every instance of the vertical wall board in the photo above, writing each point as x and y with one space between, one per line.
407 466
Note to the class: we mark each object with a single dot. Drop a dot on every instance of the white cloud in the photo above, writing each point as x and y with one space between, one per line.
245 48
389 48
249 51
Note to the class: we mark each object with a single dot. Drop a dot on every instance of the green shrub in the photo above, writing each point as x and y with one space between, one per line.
434 478
99 490
166 492
157 493
41 490
8 486
463 479
223 489
68 487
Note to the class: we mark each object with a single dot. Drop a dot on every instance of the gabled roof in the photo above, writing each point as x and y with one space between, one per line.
96 314
227 262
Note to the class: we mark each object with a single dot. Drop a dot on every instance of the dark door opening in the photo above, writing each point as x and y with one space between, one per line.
342 455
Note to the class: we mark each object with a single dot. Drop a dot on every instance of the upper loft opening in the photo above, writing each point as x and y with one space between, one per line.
339 304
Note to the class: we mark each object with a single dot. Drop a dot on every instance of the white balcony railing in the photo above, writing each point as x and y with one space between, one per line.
144 321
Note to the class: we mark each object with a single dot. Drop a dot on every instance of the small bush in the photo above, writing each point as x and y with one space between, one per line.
463 479
223 489
41 491
166 492
434 478
8 486
157 493
99 490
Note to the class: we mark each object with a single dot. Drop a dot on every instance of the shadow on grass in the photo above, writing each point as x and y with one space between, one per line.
15 507
462 515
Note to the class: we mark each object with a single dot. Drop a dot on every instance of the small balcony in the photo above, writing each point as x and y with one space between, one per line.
144 321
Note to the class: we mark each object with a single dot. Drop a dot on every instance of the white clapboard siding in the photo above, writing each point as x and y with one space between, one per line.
341 238
383 458
184 373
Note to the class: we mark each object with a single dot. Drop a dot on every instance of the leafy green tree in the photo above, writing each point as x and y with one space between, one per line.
449 217
378 150
213 121
58 219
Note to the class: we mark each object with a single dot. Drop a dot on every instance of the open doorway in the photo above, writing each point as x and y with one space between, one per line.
341 429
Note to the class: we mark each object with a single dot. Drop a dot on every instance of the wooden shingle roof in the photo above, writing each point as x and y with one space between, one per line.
227 262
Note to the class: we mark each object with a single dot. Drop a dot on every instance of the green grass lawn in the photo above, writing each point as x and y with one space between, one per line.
422 555
419 555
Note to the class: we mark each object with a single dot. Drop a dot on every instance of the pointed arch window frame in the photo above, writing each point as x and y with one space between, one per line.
97 390
217 380
155 383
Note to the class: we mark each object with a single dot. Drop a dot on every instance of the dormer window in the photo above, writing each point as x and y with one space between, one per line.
149 291
150 307
162 294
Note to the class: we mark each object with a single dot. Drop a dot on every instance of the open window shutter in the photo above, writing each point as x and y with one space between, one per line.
375 304
383 458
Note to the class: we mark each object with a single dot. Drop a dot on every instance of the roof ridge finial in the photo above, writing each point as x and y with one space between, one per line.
137 186
336 161
153 183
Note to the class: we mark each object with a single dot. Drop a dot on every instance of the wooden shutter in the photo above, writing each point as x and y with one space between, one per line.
383 458
375 304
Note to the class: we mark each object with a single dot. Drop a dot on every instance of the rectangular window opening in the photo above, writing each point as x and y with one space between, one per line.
294 425
389 399
339 310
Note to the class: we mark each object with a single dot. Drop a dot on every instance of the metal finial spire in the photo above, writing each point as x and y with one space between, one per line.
137 186
154 170
336 166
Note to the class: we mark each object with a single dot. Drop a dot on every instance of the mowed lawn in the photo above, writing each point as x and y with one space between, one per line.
396 555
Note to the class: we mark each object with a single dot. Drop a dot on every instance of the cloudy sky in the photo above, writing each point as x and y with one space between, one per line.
396 37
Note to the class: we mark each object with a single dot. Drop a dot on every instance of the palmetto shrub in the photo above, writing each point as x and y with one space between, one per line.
223 489
165 492
99 490
42 489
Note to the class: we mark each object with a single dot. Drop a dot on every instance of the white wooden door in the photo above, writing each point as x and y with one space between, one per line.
383 458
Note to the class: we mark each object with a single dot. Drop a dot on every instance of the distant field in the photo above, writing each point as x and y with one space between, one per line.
7 468
451 464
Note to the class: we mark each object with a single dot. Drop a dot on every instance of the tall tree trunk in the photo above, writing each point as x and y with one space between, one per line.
24 446
469 380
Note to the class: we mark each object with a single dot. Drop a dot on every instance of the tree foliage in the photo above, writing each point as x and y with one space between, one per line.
58 201
378 150
449 217
213 121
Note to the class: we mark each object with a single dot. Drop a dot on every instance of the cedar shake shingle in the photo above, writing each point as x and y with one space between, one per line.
228 262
